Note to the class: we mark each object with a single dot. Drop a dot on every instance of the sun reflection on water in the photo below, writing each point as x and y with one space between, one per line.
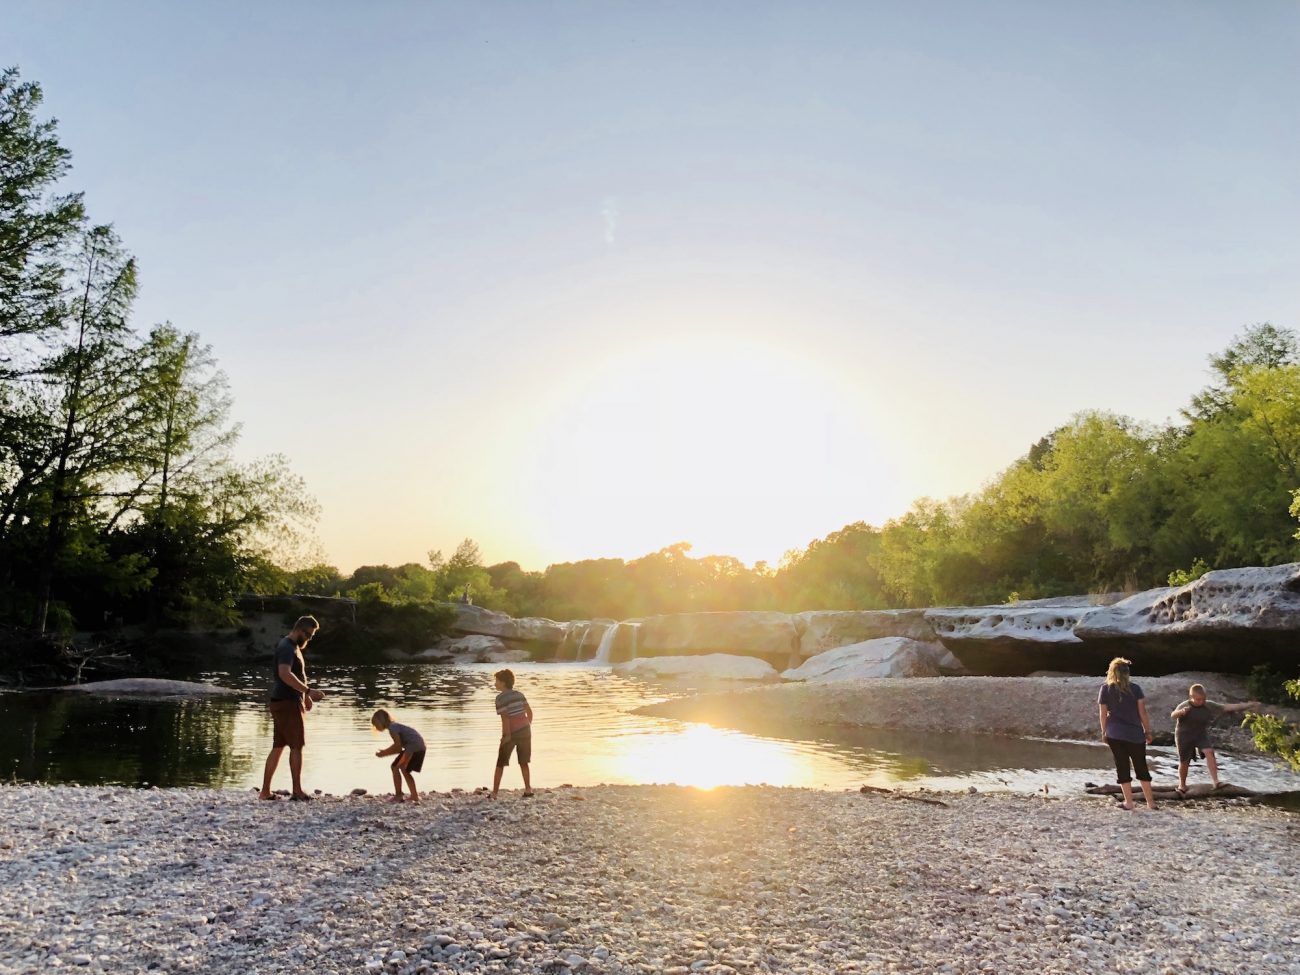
705 757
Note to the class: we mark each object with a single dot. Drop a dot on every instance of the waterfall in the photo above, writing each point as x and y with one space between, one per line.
606 644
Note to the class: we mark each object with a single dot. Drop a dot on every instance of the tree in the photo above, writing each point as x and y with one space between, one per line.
1242 465
35 223
184 441
92 377
1264 345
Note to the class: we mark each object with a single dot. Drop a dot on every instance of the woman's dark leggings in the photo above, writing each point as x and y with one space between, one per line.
1129 751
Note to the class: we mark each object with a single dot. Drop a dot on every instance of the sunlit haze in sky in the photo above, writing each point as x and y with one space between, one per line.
583 280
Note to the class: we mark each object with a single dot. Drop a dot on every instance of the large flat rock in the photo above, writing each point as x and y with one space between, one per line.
890 656
769 635
149 687
477 621
714 666
823 630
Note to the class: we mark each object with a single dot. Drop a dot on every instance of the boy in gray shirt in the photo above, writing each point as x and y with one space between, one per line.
408 746
1192 720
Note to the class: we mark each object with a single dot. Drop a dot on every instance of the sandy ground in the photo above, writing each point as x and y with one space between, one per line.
1041 707
641 879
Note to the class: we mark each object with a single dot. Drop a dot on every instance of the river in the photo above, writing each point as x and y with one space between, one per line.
587 732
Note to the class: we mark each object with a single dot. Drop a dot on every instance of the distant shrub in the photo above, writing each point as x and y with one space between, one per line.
1181 577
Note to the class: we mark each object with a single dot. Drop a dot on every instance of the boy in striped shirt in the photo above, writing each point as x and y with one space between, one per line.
516 730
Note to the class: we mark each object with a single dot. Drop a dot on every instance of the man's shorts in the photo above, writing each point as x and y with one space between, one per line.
289 729
1189 747
414 765
523 740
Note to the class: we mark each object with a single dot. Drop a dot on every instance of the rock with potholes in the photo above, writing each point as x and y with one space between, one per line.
1230 620
1015 638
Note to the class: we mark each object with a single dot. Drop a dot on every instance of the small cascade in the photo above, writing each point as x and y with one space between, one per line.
606 645
563 646
590 639
574 639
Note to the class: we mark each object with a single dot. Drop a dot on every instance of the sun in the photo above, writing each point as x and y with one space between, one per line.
735 449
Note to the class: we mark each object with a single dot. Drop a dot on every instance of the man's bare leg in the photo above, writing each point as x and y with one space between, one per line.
1212 764
295 769
272 763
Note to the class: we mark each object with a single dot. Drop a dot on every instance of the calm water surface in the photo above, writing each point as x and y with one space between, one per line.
585 733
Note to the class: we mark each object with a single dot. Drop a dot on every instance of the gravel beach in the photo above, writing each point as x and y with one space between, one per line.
641 879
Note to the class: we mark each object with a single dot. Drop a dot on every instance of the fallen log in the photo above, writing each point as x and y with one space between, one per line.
1198 790
895 794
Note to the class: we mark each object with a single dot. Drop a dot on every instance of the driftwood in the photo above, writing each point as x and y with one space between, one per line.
1169 793
895 794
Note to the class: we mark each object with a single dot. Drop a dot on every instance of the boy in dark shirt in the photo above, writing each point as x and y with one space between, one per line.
1192 720
516 730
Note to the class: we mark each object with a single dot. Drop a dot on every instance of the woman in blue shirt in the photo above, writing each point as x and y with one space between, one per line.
1125 727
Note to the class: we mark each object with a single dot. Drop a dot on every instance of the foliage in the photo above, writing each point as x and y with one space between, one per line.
1182 577
399 620
36 224
119 496
1274 736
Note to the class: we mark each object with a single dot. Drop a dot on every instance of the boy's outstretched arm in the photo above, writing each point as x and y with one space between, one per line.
1181 710
1243 706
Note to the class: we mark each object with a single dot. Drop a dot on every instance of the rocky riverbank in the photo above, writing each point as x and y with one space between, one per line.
640 879
1060 707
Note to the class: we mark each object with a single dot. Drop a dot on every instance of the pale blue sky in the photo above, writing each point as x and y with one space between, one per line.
587 279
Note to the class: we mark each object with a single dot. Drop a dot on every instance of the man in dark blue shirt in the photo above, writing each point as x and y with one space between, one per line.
291 698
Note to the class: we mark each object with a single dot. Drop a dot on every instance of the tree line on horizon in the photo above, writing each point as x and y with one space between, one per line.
1101 504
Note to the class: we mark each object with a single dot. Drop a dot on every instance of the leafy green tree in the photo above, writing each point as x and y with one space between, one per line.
1259 346
92 377
36 224
1243 465
840 571
1274 735
465 569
